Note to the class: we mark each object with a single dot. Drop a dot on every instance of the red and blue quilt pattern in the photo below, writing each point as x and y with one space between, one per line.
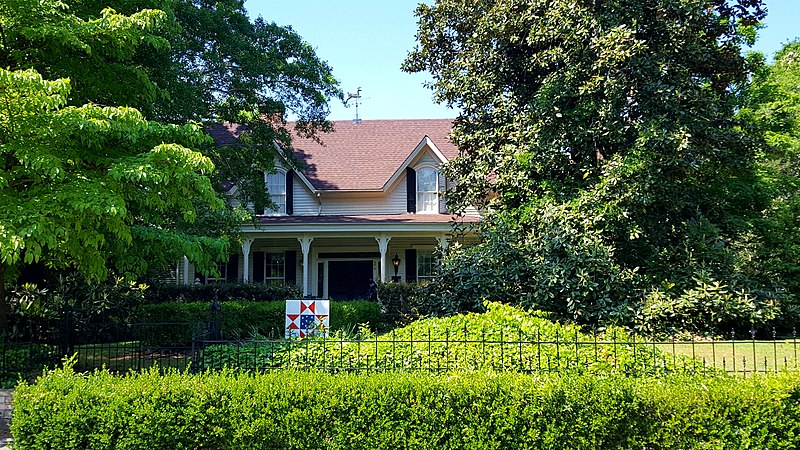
309 317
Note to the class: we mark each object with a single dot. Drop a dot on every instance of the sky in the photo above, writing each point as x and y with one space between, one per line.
366 41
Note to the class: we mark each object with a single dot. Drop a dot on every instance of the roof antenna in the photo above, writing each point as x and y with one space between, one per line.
356 96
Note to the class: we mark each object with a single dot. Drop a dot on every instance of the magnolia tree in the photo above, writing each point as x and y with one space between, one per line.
611 119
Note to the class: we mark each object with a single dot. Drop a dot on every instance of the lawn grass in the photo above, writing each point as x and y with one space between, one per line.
731 356
124 356
739 356
452 350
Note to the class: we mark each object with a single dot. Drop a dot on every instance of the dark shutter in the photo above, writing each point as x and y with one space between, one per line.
449 185
442 204
258 267
411 190
259 210
411 266
290 192
233 269
290 267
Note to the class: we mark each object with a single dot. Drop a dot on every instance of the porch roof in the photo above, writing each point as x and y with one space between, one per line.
373 218
359 223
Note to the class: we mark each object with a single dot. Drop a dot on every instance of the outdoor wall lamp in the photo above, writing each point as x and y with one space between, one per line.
396 263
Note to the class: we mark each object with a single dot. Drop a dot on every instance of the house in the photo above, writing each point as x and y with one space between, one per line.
367 207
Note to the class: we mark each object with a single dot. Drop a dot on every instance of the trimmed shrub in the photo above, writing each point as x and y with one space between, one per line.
257 292
400 302
354 315
68 307
244 319
186 321
708 306
554 259
299 410
502 338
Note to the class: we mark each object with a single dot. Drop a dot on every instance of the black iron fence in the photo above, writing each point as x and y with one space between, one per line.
165 345
504 351
197 347
120 348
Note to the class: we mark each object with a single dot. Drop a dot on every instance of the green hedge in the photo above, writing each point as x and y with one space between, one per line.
503 337
243 319
299 410
402 302
258 292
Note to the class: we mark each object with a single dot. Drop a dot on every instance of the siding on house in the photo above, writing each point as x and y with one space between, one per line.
427 158
393 202
305 201
442 189
333 203
180 271
472 213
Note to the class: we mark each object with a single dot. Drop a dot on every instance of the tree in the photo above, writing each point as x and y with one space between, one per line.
186 61
205 61
620 113
94 187
772 102
95 53
771 106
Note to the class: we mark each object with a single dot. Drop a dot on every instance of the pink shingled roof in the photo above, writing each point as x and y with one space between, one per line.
365 156
357 156
224 133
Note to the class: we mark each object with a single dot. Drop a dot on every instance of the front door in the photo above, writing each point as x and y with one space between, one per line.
348 280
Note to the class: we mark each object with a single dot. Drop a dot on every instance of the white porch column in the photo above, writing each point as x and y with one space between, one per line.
383 246
186 271
442 242
246 252
305 244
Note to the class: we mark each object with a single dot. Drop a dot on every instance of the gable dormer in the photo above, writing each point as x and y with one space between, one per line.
424 182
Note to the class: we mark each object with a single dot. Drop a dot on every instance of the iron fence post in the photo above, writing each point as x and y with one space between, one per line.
755 357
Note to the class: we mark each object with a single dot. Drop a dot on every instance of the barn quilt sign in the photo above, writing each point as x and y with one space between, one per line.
307 317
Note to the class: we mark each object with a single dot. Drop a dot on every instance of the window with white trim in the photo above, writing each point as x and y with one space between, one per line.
425 265
276 185
222 268
274 269
427 190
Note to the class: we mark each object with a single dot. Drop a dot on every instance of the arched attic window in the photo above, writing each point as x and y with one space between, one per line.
427 190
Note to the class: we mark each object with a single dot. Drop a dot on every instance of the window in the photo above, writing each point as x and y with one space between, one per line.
274 269
425 264
276 185
427 190
222 268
